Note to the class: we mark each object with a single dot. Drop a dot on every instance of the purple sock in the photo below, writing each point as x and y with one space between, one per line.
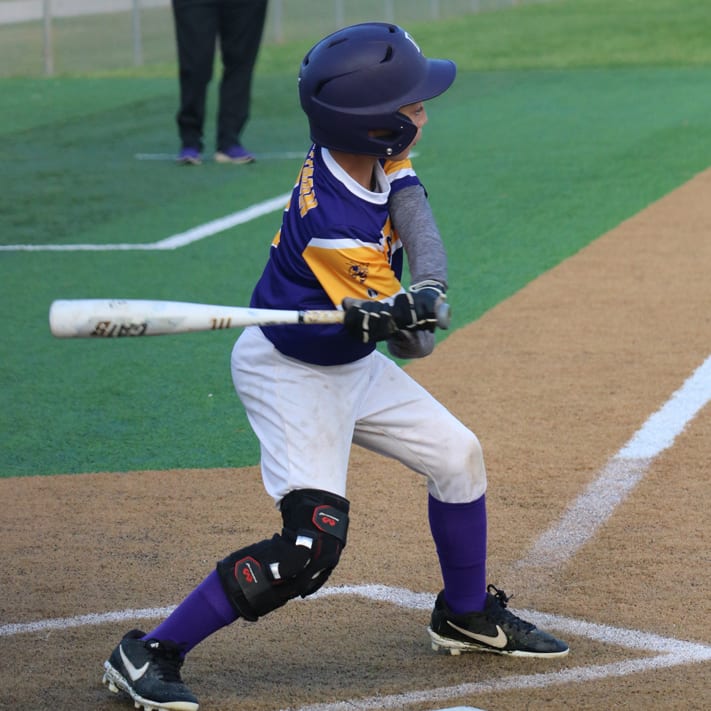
204 611
459 533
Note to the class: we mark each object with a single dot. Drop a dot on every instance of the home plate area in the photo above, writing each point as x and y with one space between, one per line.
666 652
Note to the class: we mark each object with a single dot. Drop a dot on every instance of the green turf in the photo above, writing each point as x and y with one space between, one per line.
533 33
81 167
525 165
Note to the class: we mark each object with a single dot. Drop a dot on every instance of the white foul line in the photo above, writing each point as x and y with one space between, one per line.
621 474
669 652
173 242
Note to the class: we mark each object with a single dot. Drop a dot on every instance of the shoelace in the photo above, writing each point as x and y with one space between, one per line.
511 619
167 659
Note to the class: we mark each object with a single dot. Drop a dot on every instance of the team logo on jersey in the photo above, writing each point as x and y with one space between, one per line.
359 272
387 239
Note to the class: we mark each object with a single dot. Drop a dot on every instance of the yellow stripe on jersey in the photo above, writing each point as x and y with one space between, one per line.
348 267
395 169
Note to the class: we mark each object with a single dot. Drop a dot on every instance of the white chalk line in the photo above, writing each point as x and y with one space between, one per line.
621 474
575 675
99 618
669 652
277 155
673 653
181 239
174 241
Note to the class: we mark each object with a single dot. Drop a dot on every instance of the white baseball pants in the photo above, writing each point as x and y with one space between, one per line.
307 417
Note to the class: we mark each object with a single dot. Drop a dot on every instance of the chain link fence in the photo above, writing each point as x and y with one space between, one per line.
47 37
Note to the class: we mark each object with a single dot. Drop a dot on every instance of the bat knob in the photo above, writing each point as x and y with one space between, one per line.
444 315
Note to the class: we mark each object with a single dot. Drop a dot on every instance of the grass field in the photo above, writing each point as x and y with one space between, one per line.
566 118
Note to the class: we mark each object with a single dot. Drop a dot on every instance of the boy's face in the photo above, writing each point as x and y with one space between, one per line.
417 114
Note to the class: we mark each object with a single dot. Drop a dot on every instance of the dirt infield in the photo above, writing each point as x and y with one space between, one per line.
556 382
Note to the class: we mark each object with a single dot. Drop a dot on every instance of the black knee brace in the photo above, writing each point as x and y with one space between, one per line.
264 576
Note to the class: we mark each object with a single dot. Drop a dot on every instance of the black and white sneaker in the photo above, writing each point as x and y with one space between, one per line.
149 672
495 629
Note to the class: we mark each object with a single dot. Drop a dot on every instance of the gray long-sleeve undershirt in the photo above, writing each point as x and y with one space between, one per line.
412 217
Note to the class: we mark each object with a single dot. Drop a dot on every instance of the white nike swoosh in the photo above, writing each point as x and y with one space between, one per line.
499 641
134 673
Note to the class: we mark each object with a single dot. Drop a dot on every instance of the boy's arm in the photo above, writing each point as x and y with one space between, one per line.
412 217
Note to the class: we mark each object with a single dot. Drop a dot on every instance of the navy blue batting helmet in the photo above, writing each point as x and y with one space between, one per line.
355 80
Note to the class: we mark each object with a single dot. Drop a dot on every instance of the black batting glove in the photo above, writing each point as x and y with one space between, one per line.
416 310
368 321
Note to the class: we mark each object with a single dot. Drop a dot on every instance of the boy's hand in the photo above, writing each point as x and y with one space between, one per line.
368 321
420 309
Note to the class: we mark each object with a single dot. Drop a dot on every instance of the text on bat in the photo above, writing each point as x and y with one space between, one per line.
109 329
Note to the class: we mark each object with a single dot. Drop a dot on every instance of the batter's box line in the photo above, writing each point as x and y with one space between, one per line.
673 652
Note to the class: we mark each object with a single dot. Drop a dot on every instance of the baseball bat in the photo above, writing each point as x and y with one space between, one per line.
117 318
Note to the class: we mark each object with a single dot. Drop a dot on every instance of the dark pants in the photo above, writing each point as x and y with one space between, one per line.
238 24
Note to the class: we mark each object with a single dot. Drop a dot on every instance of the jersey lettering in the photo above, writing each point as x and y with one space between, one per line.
307 196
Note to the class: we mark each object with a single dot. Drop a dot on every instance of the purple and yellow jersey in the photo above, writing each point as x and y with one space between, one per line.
400 174
336 240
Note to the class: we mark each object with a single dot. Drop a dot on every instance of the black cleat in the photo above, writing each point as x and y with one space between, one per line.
496 629
149 672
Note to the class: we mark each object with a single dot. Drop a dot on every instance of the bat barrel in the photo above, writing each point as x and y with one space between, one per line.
116 318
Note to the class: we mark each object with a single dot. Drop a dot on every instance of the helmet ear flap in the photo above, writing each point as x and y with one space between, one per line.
392 133
394 142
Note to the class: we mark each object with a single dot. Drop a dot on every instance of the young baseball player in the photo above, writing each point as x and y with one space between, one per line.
311 393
